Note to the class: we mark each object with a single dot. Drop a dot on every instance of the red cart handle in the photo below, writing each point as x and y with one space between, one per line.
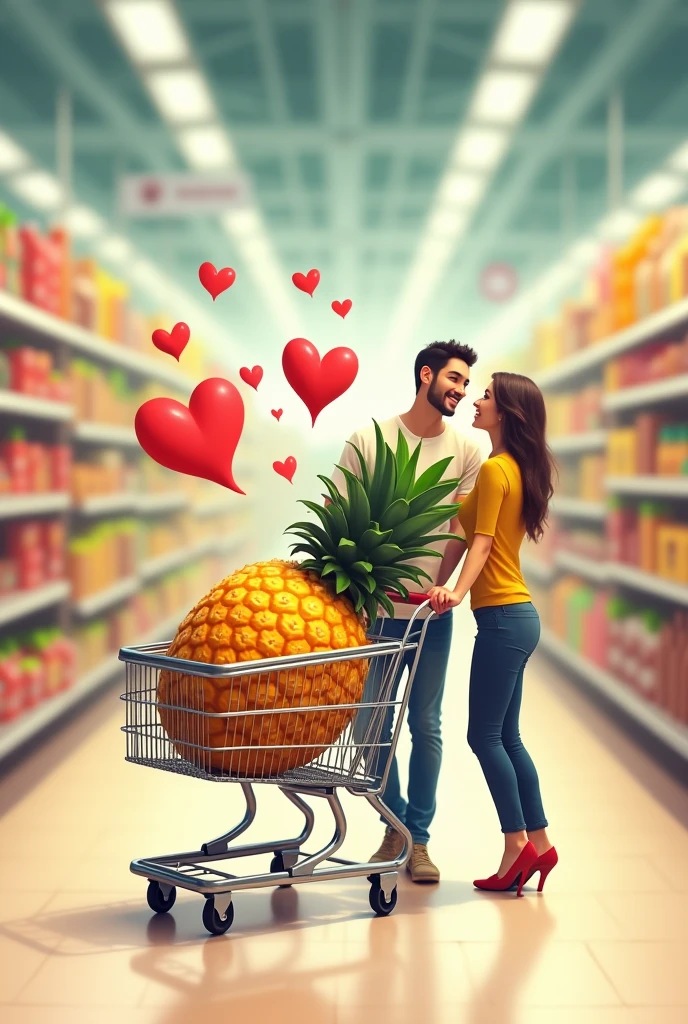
411 599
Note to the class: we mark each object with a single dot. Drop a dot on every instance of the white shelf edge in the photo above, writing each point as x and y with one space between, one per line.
25 602
592 441
658 586
595 355
673 734
39 408
665 390
648 486
153 567
161 503
104 503
16 505
104 599
538 571
581 566
104 433
23 314
578 508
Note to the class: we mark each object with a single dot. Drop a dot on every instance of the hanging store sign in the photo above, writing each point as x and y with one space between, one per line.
498 282
180 195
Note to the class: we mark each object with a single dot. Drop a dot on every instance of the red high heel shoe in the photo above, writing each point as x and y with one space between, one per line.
544 865
517 873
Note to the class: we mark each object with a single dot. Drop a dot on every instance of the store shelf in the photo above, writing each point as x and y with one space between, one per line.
18 404
105 599
573 444
583 363
103 504
576 508
656 393
649 486
672 733
150 503
20 314
15 505
153 567
104 433
647 583
25 602
214 507
536 570
588 568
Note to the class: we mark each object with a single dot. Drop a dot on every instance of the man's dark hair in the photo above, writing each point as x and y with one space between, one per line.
437 354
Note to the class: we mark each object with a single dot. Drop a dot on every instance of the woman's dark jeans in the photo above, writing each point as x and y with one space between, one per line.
507 636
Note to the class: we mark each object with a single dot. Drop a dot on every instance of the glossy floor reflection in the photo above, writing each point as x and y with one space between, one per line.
606 944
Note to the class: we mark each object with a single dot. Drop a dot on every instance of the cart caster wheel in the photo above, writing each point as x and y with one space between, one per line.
156 900
379 904
277 864
212 920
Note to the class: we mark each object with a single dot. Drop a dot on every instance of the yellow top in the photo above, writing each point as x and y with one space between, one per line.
495 507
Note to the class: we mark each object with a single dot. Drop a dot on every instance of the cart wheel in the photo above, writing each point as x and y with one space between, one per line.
382 906
212 920
276 864
156 900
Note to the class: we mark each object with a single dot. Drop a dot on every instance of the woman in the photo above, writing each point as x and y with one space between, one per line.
510 499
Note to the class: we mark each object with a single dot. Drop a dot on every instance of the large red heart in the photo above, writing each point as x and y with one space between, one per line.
251 377
286 468
199 440
316 382
342 308
215 281
174 343
307 282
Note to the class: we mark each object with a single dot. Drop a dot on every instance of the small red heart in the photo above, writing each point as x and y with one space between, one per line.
277 413
251 377
286 468
342 308
172 344
215 281
308 282
199 440
318 382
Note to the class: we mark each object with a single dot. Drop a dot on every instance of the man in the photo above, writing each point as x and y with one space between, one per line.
442 372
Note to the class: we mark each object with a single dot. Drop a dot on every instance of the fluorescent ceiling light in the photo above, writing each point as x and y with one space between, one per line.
150 30
678 161
583 252
241 223
618 225
462 188
531 31
658 190
206 148
115 249
12 157
181 95
37 188
480 149
83 223
502 97
447 222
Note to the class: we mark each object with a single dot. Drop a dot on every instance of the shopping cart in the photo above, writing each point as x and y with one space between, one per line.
358 761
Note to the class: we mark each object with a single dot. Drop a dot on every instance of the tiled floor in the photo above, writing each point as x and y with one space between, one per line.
607 943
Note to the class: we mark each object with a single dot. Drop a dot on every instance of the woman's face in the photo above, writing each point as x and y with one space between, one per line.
487 415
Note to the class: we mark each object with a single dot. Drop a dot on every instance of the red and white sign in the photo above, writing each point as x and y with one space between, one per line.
498 282
179 195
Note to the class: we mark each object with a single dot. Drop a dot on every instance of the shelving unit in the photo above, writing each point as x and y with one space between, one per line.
650 717
648 486
156 503
104 599
576 508
18 404
575 444
588 568
14 505
533 569
657 393
25 602
646 583
104 433
106 503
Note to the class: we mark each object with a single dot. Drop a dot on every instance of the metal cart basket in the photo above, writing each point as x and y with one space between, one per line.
357 761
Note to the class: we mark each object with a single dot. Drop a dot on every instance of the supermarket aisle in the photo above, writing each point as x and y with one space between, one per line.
607 944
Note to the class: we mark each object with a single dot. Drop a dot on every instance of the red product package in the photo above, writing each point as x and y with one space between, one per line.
60 467
15 455
11 685
24 536
33 681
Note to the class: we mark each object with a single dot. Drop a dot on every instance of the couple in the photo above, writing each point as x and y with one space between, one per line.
501 501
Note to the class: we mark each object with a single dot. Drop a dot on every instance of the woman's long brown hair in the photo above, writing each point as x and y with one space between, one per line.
524 422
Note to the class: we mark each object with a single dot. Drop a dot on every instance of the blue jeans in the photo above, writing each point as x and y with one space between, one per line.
424 710
507 636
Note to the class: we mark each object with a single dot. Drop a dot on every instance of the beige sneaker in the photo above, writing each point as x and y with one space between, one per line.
420 867
392 846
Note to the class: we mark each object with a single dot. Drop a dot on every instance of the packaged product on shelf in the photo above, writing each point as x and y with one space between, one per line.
672 552
91 643
15 455
25 550
653 515
11 692
673 674
9 581
622 447
9 251
622 531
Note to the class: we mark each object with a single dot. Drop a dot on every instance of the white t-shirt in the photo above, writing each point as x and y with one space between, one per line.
466 463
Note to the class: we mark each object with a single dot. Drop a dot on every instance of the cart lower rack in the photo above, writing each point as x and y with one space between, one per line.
173 723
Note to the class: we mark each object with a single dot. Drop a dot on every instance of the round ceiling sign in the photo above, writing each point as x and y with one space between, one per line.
498 282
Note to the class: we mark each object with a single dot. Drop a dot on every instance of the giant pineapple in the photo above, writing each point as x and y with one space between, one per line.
360 546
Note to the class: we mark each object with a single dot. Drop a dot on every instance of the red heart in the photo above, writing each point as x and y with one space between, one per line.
307 283
342 308
175 343
215 281
199 440
251 377
277 413
286 468
316 382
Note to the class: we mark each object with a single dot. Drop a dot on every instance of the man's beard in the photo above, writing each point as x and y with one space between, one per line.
438 400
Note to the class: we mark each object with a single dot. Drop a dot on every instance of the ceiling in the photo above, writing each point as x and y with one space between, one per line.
344 114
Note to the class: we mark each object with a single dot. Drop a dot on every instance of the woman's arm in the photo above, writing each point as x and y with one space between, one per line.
453 552
441 598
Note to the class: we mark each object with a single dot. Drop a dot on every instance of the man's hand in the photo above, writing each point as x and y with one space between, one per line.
442 599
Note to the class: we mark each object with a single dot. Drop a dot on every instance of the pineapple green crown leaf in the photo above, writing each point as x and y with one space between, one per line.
365 540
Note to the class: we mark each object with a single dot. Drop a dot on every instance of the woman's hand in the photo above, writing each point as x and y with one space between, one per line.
442 599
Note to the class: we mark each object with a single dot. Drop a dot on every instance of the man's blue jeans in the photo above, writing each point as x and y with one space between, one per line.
424 714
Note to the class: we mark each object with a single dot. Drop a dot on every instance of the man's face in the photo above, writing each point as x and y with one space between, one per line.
448 387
